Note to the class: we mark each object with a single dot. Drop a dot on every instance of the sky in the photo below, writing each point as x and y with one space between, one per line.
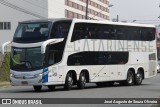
143 11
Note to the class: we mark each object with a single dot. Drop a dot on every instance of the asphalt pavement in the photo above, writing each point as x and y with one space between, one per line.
150 88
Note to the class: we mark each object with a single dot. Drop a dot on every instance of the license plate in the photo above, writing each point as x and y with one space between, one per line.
24 83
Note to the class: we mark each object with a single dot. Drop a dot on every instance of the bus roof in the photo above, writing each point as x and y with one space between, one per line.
113 23
46 20
89 21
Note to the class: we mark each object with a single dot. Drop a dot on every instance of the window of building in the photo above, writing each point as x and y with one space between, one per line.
1 25
66 2
80 16
107 2
75 5
80 7
70 14
75 15
5 25
84 9
70 4
66 13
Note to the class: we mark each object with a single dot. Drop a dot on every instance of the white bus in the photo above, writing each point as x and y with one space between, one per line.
71 52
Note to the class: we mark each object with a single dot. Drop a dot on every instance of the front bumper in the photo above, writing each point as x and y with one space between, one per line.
26 82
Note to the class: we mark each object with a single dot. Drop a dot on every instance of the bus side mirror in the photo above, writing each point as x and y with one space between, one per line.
4 46
49 42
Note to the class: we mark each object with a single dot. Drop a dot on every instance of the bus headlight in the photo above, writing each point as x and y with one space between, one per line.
41 74
38 75
12 75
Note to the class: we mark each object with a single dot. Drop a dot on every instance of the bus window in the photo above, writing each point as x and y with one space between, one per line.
147 34
60 29
110 32
121 32
55 52
98 58
32 32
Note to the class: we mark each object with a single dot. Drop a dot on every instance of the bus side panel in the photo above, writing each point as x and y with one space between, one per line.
152 64
57 75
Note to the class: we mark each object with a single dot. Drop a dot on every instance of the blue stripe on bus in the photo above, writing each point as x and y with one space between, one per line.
45 77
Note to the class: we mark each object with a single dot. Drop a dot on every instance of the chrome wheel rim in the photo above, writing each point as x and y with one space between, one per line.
70 81
139 77
83 80
130 79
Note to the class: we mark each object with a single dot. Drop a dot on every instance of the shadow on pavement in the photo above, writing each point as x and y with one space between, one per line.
60 88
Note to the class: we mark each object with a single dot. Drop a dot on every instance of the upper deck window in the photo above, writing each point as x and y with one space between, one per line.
60 29
32 32
112 32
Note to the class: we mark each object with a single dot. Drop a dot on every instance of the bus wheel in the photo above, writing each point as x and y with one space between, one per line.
51 87
82 81
138 78
68 82
130 78
37 88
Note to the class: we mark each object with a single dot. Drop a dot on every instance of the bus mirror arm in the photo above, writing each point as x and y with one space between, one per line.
4 45
49 42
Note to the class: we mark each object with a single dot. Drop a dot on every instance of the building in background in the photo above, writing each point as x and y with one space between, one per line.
14 11
98 9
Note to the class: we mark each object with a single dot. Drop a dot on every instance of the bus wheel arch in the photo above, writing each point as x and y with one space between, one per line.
139 76
71 79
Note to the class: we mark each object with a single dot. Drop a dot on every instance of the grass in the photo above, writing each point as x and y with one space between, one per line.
5 69
4 84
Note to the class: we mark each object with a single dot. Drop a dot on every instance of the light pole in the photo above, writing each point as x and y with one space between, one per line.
117 19
86 10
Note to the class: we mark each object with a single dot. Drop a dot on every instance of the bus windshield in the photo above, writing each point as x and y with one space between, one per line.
26 59
32 32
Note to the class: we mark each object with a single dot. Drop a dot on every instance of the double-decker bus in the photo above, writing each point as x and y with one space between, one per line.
69 52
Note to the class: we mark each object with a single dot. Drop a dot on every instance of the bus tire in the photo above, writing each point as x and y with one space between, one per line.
138 78
130 79
82 81
68 82
37 88
51 87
